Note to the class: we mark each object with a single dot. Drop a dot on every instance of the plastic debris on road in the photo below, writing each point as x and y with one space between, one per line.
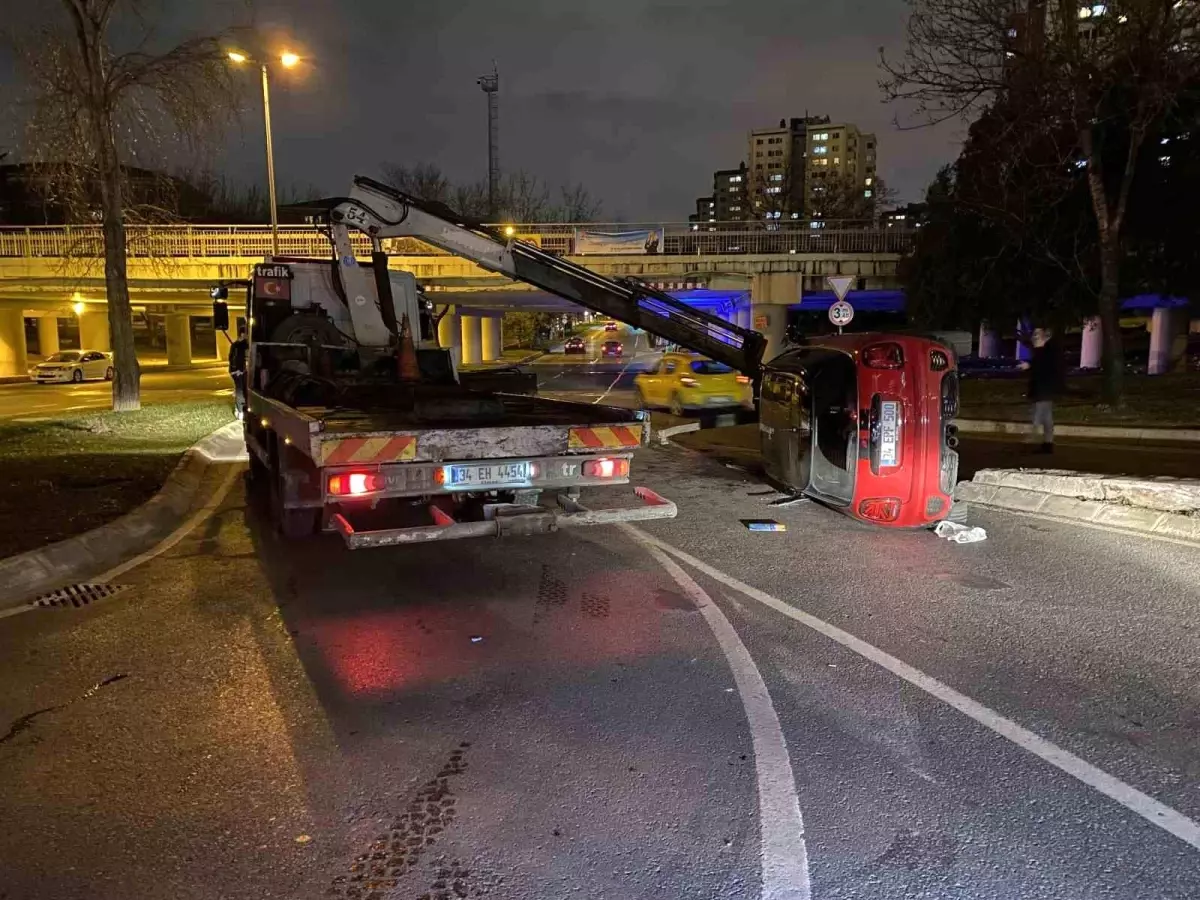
960 534
764 525
476 638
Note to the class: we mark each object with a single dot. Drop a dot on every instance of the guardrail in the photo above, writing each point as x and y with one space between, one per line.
254 241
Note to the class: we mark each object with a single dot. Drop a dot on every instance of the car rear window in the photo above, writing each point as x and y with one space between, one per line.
708 367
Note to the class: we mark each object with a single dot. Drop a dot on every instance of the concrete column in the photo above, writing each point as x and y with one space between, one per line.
221 345
1168 340
743 317
179 340
12 343
1092 347
472 340
771 293
93 331
493 338
989 342
450 335
47 334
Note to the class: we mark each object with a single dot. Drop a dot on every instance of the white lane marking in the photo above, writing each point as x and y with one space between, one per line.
624 368
1153 811
783 855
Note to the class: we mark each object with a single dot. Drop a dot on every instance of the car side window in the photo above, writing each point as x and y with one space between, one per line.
90 357
669 366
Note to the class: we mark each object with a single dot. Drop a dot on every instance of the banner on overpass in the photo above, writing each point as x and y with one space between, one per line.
614 242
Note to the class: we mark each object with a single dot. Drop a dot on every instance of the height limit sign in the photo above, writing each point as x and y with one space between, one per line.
841 313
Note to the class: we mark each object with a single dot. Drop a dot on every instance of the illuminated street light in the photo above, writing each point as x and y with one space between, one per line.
509 230
288 60
78 307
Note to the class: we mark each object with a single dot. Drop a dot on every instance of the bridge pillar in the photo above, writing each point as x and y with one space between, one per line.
1168 340
493 338
450 334
989 342
12 343
472 340
47 335
179 339
771 293
93 331
742 316
220 345
1091 350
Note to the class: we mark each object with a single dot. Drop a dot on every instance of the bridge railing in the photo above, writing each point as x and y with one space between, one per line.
254 241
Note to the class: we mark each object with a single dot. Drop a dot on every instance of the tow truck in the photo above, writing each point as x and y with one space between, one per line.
358 422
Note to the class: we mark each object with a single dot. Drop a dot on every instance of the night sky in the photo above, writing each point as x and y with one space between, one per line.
639 100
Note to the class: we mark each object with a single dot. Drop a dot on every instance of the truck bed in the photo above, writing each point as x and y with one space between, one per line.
456 426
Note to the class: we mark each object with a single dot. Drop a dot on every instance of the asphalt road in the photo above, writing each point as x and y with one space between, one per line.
159 385
582 715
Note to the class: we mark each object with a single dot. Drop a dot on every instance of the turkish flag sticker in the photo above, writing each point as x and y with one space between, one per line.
273 288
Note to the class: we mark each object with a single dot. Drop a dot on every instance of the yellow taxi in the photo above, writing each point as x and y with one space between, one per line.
683 382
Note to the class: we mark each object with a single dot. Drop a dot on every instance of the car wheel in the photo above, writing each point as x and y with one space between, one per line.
108 374
77 376
676 405
958 512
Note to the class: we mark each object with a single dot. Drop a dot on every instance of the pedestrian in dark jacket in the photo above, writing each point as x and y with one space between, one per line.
238 351
1046 382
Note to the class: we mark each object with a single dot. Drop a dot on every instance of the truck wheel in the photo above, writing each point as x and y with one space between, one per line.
292 523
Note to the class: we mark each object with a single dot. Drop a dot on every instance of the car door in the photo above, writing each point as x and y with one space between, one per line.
664 384
777 388
94 364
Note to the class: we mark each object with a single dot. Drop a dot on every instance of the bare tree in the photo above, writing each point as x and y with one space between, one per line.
846 198
1104 73
101 100
576 204
424 180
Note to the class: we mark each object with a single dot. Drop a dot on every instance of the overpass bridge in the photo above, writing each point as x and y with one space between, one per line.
54 273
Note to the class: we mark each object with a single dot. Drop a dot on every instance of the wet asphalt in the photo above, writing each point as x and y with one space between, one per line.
551 717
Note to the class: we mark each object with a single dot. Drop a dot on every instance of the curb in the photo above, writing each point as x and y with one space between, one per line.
1165 508
36 572
1094 432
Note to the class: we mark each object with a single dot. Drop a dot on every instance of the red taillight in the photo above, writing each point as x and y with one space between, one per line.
353 484
606 468
883 356
880 509
743 379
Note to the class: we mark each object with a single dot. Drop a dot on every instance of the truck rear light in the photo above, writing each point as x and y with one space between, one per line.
606 468
880 509
883 356
353 484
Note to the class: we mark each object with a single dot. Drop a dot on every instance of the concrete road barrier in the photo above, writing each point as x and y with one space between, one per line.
28 575
1166 507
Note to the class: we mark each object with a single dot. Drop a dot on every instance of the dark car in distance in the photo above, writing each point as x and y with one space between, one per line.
575 345
612 348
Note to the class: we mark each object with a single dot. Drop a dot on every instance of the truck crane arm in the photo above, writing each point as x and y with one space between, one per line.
380 211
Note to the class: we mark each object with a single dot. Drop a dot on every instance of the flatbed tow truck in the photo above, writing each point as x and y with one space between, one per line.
358 422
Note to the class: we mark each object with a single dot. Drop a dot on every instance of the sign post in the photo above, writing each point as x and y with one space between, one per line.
841 313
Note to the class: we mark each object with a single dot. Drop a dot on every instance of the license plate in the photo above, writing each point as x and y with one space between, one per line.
889 426
719 401
492 475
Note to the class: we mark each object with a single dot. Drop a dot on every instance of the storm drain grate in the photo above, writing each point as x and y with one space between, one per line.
77 595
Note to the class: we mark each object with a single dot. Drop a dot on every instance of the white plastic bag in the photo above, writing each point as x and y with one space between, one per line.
960 534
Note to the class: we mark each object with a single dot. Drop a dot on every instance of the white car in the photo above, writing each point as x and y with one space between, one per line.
74 365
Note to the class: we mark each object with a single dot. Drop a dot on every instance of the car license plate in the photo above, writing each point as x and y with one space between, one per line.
491 475
889 426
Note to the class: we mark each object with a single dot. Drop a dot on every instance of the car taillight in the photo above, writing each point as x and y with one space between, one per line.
688 381
353 484
606 468
743 379
880 509
938 360
883 356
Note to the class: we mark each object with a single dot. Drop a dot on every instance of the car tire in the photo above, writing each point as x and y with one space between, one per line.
77 376
677 408
108 374
958 512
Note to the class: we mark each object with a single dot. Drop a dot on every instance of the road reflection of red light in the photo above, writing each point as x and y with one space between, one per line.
375 653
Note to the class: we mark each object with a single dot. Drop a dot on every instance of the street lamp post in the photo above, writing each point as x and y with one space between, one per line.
288 60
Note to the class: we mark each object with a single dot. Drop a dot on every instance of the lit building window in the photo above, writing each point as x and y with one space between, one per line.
868 194
823 136
868 181
774 190
820 150
733 178
777 177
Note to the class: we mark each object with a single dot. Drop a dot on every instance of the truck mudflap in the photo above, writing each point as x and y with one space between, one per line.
505 519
